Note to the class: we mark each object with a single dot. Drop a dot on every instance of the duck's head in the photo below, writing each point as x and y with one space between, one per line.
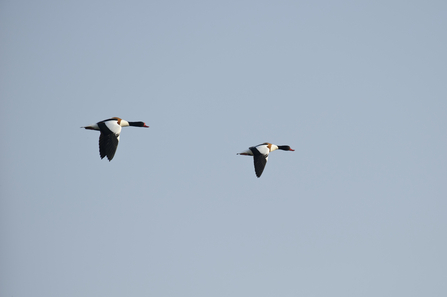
285 148
138 124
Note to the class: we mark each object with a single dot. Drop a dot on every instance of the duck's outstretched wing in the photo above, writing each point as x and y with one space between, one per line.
109 138
260 160
108 143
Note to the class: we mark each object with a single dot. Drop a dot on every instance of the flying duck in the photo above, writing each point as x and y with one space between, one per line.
110 134
260 154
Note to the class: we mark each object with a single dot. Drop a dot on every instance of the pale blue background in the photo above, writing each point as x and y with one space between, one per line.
357 88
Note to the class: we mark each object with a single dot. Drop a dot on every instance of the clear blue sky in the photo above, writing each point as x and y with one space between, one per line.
357 88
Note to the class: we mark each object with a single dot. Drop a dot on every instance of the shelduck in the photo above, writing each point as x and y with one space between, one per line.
260 154
110 134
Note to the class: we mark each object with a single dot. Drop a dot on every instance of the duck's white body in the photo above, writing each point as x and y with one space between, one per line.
112 124
264 149
261 153
110 134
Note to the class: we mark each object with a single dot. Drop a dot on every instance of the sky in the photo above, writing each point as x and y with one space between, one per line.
357 88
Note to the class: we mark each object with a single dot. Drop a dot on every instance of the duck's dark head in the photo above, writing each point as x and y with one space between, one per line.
138 124
285 148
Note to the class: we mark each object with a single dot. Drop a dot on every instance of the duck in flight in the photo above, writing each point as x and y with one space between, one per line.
260 154
110 134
